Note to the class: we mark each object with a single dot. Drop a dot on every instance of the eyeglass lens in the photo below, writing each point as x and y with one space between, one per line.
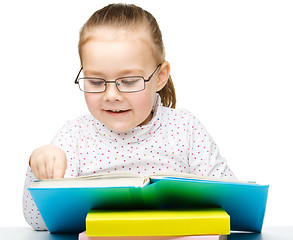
127 84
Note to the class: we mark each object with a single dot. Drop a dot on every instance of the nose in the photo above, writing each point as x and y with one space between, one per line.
112 93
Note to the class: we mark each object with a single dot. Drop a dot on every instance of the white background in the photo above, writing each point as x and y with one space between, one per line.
232 66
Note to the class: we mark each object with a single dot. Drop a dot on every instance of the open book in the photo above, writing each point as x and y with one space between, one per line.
64 203
117 179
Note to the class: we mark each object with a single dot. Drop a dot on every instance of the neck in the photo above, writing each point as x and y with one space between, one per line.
149 118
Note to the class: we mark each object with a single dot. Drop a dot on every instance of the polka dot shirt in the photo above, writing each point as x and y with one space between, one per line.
173 141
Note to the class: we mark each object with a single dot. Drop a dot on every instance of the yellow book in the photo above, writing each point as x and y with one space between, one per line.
157 222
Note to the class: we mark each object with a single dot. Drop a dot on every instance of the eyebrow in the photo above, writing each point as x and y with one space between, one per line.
90 72
120 74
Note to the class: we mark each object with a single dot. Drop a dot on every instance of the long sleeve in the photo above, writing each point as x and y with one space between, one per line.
204 155
30 210
66 142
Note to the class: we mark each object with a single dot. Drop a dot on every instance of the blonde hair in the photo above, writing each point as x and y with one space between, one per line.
127 16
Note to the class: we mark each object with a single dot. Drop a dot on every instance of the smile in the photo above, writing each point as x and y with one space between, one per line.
115 112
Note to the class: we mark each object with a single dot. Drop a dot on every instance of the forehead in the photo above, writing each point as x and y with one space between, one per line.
107 47
111 33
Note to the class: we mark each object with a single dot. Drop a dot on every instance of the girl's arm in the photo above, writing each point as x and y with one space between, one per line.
45 162
30 210
61 146
204 155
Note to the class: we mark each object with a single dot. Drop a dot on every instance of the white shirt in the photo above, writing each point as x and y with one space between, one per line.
174 140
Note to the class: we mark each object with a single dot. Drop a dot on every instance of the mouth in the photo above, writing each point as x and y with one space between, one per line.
117 112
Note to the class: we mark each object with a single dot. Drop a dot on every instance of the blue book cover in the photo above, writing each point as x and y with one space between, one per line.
64 208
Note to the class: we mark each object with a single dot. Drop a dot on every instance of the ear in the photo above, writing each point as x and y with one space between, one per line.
163 75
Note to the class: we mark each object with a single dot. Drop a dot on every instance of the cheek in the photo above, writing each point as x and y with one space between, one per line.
142 101
92 100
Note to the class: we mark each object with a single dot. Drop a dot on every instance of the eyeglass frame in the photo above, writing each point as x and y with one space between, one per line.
145 80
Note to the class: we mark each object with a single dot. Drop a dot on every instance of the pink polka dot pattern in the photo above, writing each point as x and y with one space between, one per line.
31 212
174 140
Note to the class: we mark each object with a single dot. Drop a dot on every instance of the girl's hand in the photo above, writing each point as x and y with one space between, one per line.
48 161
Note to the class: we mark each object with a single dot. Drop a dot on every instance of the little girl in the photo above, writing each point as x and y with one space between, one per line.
133 125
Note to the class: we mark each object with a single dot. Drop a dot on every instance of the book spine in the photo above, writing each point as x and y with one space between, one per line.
83 236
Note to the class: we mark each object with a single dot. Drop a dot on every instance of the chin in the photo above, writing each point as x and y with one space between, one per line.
120 128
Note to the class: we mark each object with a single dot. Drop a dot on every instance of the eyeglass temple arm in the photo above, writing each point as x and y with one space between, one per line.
76 79
158 67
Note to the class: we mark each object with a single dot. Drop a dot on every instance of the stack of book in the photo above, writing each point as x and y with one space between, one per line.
183 224
65 203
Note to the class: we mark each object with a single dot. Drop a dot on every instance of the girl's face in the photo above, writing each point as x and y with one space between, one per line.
111 54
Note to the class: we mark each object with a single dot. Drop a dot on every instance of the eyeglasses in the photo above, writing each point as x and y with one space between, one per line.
123 84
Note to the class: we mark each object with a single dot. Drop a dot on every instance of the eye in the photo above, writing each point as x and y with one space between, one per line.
130 81
96 82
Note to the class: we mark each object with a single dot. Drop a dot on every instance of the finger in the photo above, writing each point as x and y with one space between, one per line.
41 167
60 165
34 167
50 167
42 171
35 171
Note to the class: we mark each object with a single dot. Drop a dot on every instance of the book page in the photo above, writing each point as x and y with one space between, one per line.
117 179
192 176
